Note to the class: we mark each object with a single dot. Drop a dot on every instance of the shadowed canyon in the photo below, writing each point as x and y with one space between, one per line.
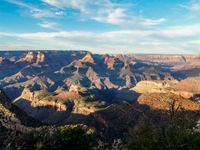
109 93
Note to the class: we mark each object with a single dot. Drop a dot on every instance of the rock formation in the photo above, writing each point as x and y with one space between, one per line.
88 58
40 57
29 57
110 61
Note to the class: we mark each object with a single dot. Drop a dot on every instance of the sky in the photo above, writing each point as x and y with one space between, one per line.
101 26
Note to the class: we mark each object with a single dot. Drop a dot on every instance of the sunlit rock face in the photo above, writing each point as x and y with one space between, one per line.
88 58
40 57
110 61
163 101
29 57
41 107
33 57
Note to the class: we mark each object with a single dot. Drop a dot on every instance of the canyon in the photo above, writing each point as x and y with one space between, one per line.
107 92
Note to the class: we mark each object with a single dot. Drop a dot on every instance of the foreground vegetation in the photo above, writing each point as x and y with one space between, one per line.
179 132
47 138
175 129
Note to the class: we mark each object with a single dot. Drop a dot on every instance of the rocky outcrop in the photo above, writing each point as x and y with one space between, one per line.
78 100
33 57
154 86
77 89
189 85
45 103
88 58
35 101
27 94
126 73
42 106
93 77
29 57
164 101
187 88
40 57
110 61
185 94
78 64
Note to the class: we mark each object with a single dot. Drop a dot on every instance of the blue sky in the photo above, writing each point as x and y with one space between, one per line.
101 26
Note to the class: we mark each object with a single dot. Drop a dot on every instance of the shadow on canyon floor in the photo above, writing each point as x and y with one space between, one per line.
113 121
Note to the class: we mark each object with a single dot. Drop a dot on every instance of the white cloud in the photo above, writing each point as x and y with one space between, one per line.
151 22
106 11
169 32
49 25
177 39
59 13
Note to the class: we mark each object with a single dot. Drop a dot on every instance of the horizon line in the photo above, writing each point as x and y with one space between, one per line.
81 50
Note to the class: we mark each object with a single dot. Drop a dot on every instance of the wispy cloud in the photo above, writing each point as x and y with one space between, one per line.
136 33
20 3
193 6
37 12
177 39
106 11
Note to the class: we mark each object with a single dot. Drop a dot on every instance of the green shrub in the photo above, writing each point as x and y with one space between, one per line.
176 133
57 138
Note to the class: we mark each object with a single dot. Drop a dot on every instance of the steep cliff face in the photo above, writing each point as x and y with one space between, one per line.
8 118
41 105
36 101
